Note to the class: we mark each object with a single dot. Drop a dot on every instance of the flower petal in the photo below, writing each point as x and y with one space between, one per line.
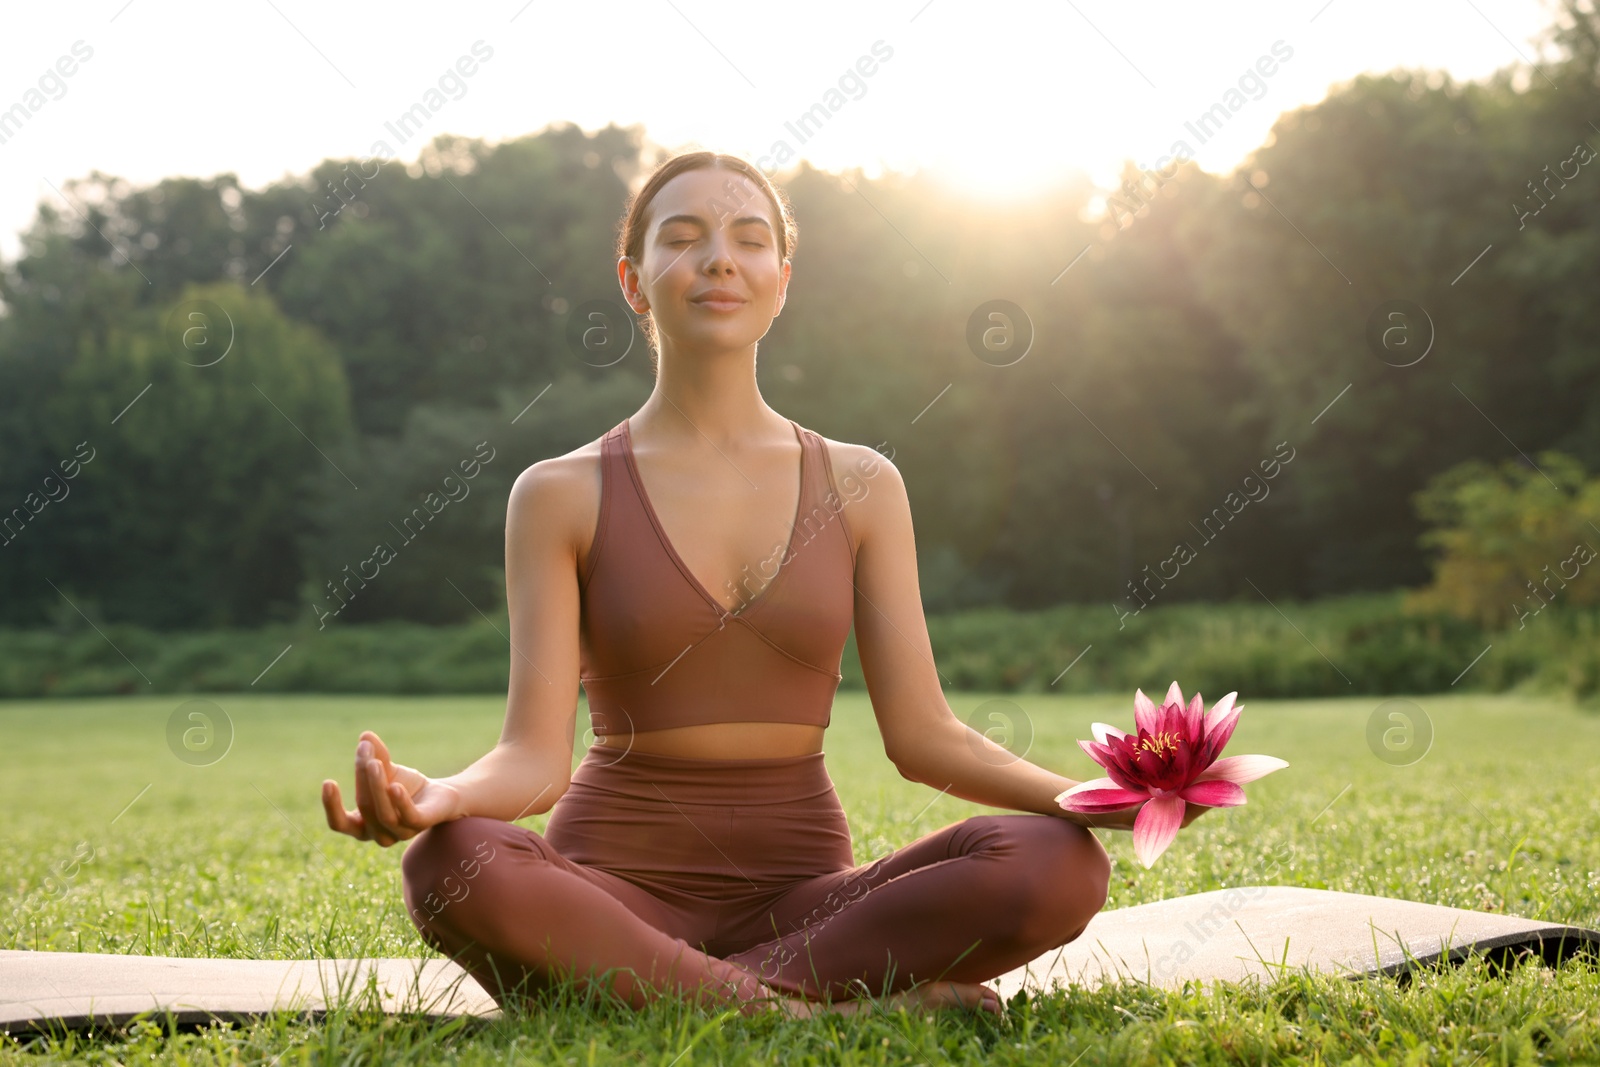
1103 730
1100 795
1112 763
1220 730
1097 752
1126 746
1193 720
1186 761
1155 826
1085 786
1172 718
1125 779
1219 709
1241 769
1214 794
1174 694
1144 712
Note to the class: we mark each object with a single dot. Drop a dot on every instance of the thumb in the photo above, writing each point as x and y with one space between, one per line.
428 806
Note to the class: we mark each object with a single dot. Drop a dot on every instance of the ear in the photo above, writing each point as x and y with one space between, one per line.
783 289
628 279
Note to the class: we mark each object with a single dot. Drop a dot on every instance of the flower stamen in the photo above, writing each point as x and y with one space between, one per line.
1160 744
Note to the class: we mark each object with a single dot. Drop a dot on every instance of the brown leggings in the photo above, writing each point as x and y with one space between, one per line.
735 878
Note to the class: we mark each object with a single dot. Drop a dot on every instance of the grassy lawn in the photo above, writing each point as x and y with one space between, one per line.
112 844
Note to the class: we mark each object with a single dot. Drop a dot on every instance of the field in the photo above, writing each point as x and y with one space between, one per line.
113 844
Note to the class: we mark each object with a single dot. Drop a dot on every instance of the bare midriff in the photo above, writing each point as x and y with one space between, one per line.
722 740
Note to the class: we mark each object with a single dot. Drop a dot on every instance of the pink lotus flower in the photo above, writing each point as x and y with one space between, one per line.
1170 763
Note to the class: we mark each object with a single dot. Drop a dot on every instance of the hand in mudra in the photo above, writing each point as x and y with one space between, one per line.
393 802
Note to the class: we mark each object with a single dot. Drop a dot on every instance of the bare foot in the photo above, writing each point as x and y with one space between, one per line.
933 996
937 995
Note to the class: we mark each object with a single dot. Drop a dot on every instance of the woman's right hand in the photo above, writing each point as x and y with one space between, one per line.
393 802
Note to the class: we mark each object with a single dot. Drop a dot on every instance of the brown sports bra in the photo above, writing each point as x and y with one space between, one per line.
657 650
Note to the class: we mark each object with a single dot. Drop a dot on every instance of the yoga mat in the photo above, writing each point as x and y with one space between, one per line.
82 989
1231 935
1224 935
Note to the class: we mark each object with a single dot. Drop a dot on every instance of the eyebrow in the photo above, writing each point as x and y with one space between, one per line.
696 220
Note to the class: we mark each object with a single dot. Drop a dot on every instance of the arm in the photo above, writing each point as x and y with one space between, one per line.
529 768
921 735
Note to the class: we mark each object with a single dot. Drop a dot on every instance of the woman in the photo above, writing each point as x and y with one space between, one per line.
699 846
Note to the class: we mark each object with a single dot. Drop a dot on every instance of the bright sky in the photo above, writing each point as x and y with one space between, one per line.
1002 96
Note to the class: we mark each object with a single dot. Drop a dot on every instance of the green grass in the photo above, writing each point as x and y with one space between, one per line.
233 859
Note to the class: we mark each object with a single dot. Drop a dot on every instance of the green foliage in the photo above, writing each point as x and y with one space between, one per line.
1361 644
1512 540
199 461
431 303
459 537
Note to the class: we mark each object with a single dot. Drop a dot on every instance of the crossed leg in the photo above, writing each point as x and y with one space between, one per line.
962 904
519 916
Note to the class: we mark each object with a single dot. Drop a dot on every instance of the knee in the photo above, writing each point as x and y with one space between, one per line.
1090 865
1062 882
445 863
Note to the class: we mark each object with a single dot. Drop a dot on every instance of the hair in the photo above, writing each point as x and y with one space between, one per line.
631 230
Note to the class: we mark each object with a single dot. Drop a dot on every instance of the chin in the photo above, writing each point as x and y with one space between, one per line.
724 335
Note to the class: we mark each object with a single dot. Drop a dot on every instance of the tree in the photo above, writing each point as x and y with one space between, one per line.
205 424
1511 539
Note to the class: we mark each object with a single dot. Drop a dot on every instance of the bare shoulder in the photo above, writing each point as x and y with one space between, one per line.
868 482
560 495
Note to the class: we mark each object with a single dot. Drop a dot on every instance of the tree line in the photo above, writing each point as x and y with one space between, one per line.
254 388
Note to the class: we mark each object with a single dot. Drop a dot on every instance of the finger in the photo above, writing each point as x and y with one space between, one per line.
363 791
382 800
406 809
338 818
383 803
387 819
379 749
368 790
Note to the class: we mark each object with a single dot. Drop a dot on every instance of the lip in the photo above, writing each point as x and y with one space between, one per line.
719 300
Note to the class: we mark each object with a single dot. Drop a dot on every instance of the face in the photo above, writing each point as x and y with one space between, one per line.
708 229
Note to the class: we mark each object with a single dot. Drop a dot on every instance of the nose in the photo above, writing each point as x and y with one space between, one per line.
718 254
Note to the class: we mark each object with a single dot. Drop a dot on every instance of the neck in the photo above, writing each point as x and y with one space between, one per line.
708 396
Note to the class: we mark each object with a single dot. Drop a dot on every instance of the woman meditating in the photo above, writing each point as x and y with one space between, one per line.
698 570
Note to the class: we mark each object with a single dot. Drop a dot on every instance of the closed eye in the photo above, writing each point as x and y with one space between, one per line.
690 240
